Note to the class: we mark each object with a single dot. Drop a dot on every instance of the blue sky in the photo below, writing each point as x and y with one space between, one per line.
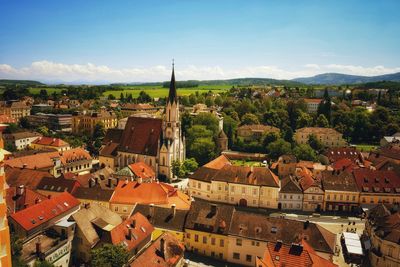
135 41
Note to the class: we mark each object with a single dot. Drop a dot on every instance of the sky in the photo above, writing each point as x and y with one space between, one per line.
135 41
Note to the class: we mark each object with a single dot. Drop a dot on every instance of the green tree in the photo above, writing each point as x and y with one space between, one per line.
12 128
109 256
269 138
203 150
322 121
218 100
43 94
304 120
230 126
99 131
186 122
278 148
39 263
111 97
43 130
249 119
305 152
209 101
184 100
144 97
208 120
190 165
122 97
178 169
315 143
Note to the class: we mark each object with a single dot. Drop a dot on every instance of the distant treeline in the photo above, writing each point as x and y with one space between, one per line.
183 84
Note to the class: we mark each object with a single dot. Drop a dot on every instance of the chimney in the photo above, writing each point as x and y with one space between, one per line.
129 235
24 166
87 205
109 182
151 210
278 245
213 209
139 180
38 247
162 248
173 210
306 224
20 190
133 223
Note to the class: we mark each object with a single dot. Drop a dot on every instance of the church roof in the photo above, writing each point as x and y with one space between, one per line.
141 136
172 95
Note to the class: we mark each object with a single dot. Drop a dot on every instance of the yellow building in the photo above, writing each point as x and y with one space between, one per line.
382 227
221 181
255 131
86 123
5 253
341 193
328 137
15 110
164 219
49 143
206 229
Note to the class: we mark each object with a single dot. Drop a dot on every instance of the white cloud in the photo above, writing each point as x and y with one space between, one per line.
52 71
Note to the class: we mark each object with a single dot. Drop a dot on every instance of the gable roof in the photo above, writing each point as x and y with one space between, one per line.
289 185
141 136
142 170
368 180
57 185
28 178
45 211
95 193
86 217
49 141
16 201
163 217
152 256
131 232
338 181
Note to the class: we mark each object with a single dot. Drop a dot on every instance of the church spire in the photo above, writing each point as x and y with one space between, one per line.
172 95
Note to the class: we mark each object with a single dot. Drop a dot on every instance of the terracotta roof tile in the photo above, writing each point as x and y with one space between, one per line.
368 180
142 170
49 141
46 210
29 178
18 199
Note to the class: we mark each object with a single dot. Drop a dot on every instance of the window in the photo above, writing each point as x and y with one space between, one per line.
243 190
232 189
196 238
354 198
116 208
204 240
255 191
236 256
248 258
188 235
254 202
238 242
199 185
212 240
328 197
208 187
221 242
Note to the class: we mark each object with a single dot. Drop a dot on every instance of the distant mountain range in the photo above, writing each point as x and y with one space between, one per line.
325 79
338 79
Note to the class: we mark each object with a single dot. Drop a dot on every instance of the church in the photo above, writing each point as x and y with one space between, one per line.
158 142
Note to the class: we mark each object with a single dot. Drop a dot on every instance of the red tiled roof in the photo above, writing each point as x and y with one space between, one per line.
368 180
6 119
152 256
49 141
44 211
141 136
16 202
142 170
351 153
149 193
312 100
131 232
344 164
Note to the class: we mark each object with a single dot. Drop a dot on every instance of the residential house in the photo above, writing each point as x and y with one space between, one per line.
86 123
165 251
255 131
128 194
296 254
207 226
377 186
221 181
93 195
49 143
341 192
35 219
134 234
382 228
313 193
50 186
286 165
19 198
290 195
21 140
92 221
328 137
312 104
165 220
389 152
386 140
250 233
15 109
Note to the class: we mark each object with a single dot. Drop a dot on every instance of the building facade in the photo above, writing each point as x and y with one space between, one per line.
86 123
329 137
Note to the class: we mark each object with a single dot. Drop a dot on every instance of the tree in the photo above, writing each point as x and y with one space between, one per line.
230 126
43 130
218 100
99 131
278 148
43 94
269 138
184 100
144 97
12 128
208 120
111 97
203 150
109 256
305 152
325 106
315 143
24 123
249 119
322 121
190 165
209 101
122 97
178 169
186 122
39 263
304 120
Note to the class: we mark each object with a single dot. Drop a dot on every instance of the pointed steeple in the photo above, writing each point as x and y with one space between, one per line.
172 95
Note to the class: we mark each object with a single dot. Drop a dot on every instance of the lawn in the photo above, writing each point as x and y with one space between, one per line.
365 148
247 163
36 91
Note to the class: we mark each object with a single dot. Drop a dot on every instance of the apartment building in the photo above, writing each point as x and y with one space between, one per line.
21 140
15 109
328 137
255 131
86 123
